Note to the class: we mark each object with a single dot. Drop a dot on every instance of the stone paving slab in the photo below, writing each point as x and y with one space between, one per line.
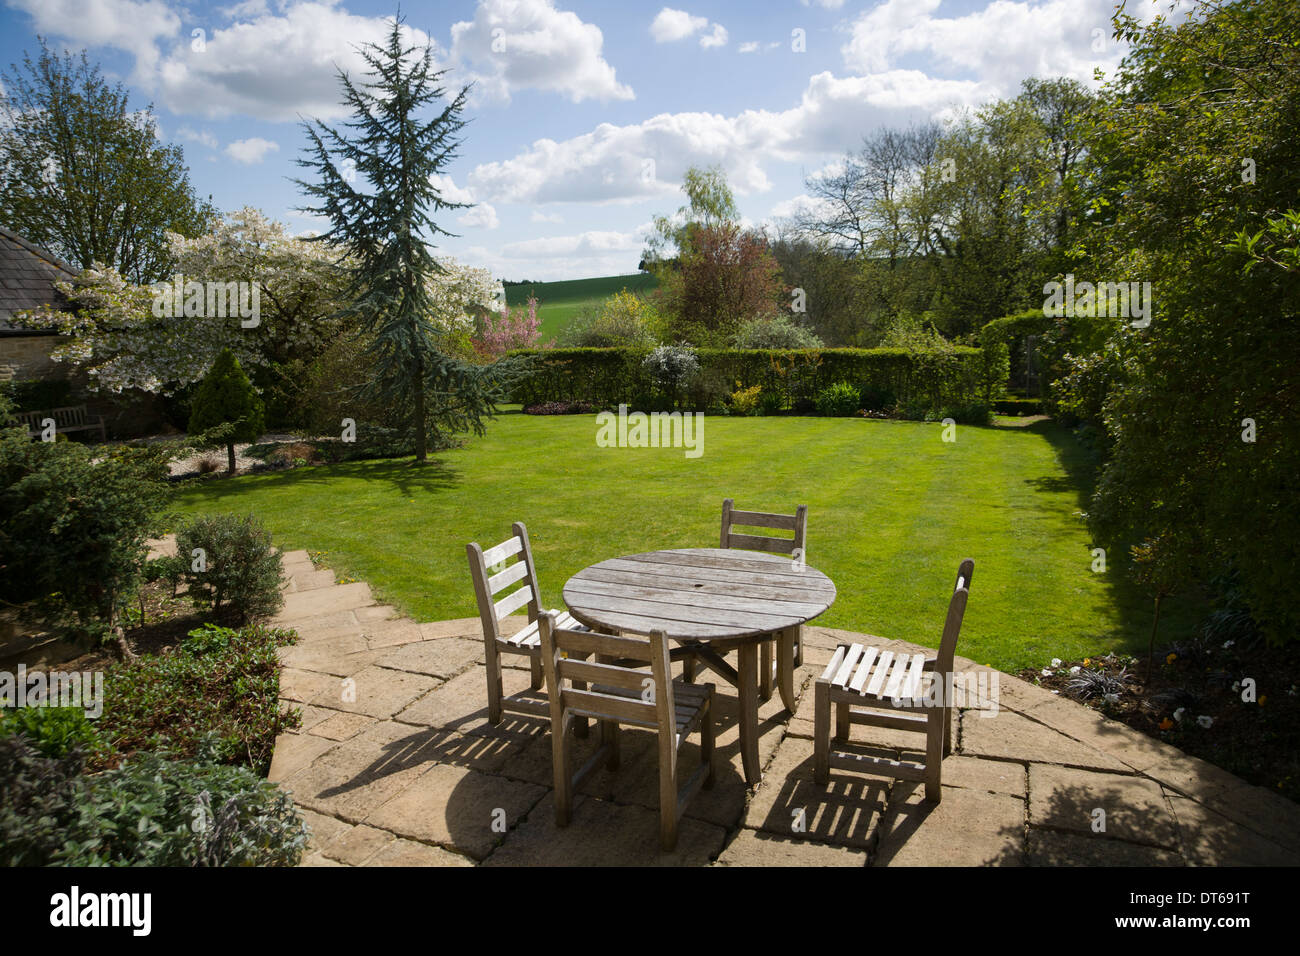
409 772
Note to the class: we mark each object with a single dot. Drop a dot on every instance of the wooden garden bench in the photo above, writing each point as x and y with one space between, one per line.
72 418
861 681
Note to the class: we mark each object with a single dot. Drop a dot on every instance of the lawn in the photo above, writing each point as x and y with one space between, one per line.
892 511
558 303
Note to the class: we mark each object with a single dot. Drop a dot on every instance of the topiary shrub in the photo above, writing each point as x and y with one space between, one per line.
838 400
226 397
231 567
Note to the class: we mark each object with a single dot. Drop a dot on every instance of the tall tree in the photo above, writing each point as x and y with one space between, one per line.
376 185
84 176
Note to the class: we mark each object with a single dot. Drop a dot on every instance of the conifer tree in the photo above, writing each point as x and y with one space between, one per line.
377 186
226 397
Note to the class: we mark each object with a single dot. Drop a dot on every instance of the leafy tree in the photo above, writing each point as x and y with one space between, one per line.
113 334
1196 148
395 154
709 204
84 176
226 397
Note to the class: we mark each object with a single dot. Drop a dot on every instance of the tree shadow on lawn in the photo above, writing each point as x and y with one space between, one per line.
433 476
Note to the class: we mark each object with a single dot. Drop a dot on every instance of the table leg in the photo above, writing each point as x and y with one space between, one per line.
747 689
765 670
785 666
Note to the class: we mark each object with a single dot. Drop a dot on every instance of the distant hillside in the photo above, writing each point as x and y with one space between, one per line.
559 302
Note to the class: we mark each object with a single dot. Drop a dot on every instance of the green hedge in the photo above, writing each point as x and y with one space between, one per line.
606 377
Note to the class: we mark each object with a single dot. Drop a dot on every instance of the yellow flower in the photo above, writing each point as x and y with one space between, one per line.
1262 699
1166 724
1171 658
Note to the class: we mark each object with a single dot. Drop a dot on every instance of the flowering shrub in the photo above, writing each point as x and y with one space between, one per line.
508 329
671 366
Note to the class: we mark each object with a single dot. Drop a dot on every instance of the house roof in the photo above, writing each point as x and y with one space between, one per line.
27 277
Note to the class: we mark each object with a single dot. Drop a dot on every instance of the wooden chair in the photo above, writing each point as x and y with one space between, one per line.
622 694
865 677
526 642
794 546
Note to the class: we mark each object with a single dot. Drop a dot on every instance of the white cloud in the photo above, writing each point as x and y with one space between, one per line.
251 151
447 187
670 26
575 256
1002 43
482 216
717 38
131 25
202 137
647 160
274 67
750 47
825 4
538 216
528 44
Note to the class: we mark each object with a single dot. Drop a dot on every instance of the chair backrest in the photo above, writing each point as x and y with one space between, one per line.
494 572
652 703
797 522
956 611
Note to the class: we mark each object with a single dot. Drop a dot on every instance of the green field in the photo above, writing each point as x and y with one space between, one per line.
892 510
559 302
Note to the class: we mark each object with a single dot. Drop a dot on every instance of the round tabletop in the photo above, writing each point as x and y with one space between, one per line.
698 594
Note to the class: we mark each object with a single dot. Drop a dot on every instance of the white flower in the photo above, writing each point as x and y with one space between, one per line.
1236 686
1075 669
1206 722
1056 692
1112 698
1178 714
1056 662
1046 672
1228 644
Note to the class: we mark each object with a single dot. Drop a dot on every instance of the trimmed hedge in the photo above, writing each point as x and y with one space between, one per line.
606 377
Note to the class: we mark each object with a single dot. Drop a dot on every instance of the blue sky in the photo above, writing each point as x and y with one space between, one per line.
584 115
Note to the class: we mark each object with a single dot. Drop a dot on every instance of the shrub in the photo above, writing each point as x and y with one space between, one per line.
73 530
623 320
226 397
238 573
560 408
774 330
976 413
53 731
217 694
770 402
151 811
744 401
877 399
838 400
670 367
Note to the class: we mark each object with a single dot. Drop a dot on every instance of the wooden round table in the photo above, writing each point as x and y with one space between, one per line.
712 599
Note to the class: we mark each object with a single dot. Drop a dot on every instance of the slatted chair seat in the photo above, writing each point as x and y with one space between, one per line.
528 637
613 690
882 688
690 703
874 673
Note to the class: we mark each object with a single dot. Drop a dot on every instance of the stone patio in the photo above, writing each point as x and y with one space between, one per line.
396 765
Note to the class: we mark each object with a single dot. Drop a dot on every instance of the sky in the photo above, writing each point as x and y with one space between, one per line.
583 116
